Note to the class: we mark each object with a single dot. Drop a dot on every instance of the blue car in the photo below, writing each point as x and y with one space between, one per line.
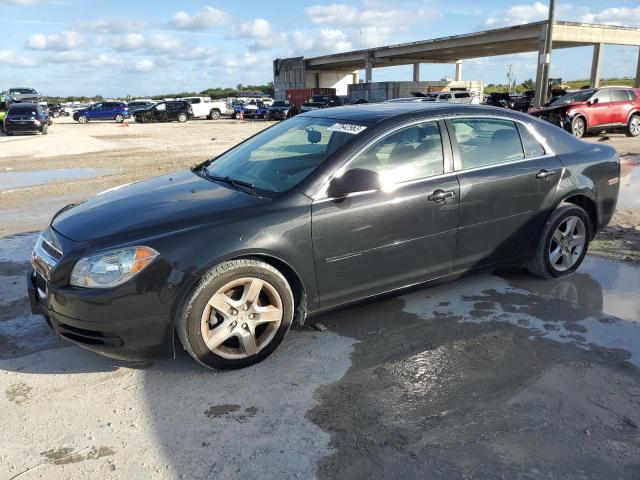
117 111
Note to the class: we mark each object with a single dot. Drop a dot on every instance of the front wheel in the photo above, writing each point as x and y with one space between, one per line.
182 117
563 243
119 118
55 114
578 127
633 127
237 315
83 119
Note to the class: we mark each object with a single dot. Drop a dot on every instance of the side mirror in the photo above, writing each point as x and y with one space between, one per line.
353 181
594 101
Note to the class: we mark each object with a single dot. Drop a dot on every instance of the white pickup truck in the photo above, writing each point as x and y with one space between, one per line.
204 107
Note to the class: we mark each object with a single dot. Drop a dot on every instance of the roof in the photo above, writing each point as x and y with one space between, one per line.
499 41
376 112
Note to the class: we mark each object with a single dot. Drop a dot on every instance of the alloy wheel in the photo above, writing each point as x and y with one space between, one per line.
241 318
567 243
578 128
634 125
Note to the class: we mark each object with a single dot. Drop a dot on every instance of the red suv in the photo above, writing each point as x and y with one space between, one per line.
595 109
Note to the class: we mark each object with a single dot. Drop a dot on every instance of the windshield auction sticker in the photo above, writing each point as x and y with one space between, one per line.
346 128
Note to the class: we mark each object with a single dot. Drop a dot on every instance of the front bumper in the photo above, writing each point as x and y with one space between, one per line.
112 334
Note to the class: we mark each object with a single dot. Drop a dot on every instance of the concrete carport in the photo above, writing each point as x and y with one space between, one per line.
332 70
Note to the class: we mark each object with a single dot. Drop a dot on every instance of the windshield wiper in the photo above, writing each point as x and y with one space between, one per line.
237 184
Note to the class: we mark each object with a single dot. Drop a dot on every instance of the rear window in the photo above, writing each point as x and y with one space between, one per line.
22 110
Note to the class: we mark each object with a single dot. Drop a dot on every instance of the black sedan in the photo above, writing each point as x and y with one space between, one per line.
316 212
26 118
169 111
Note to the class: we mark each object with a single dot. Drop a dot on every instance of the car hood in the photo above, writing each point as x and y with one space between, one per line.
158 205
558 108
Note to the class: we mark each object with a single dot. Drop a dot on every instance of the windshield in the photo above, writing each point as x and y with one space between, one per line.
581 96
279 158
280 103
22 91
23 110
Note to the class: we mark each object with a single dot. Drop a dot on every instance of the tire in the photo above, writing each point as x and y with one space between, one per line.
543 264
44 130
214 115
233 116
83 119
633 127
9 134
119 118
55 114
578 127
182 117
233 353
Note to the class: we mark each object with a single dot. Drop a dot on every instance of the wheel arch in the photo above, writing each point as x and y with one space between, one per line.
635 111
588 204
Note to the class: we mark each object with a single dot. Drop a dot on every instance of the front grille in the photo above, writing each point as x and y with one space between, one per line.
51 250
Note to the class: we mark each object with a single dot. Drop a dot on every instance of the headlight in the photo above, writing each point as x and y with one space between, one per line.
110 269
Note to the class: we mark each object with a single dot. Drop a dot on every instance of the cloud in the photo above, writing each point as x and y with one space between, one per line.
262 33
67 40
161 42
614 16
144 65
8 57
205 19
111 25
128 42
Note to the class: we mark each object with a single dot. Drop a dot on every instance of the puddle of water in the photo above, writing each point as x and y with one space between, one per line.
629 196
19 179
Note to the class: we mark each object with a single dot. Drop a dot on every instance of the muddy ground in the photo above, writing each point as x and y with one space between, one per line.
492 376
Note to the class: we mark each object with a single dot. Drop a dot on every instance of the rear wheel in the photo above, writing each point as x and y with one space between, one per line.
578 127
182 117
633 127
119 118
83 119
214 115
55 114
563 243
44 130
237 315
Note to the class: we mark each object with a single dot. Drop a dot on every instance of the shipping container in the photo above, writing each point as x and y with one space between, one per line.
298 96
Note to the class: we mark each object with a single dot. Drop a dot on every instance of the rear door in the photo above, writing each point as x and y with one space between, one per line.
507 185
375 241
621 105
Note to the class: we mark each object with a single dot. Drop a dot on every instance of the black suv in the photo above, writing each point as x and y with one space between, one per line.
165 112
26 117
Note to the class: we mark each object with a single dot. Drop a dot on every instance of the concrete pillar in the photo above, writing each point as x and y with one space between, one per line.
368 67
416 72
637 82
538 101
458 76
595 66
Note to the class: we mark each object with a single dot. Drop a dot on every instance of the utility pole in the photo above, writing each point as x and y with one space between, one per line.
509 68
548 45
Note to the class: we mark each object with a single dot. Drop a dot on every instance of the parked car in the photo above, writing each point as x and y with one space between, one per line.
26 118
55 110
321 210
22 95
321 101
502 99
522 103
204 107
117 111
137 105
595 109
280 110
175 110
251 109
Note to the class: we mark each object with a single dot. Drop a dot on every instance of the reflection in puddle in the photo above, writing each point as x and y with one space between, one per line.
11 180
629 196
599 284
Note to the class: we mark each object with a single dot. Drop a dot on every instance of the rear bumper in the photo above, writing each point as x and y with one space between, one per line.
13 128
129 339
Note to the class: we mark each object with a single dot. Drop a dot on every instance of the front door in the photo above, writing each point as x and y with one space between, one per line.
160 112
600 112
507 186
94 111
404 233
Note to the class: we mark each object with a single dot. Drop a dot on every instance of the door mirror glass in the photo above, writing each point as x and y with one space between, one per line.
353 181
594 101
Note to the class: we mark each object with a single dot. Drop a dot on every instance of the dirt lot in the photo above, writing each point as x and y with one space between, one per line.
493 376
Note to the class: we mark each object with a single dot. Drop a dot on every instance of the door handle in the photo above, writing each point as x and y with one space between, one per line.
544 174
440 195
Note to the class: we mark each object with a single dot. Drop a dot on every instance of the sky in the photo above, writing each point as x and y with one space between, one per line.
146 47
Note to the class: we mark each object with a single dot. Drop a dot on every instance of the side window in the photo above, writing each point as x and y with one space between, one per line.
445 97
194 100
410 153
603 96
462 95
161 107
619 95
486 141
531 146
